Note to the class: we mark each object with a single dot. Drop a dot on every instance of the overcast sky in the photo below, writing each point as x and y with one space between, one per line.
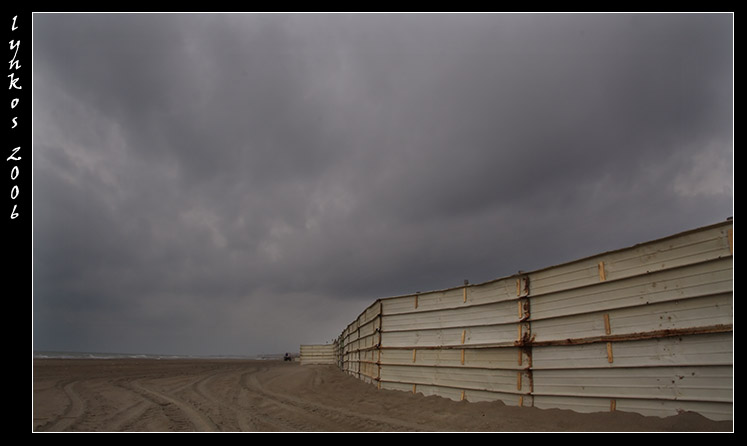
245 183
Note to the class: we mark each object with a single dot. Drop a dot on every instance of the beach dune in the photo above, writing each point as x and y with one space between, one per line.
115 395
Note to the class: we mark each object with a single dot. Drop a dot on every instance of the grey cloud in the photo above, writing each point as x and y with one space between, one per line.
253 170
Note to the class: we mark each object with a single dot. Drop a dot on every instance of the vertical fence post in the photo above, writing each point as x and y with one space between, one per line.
524 342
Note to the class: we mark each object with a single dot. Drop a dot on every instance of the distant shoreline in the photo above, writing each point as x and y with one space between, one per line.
99 355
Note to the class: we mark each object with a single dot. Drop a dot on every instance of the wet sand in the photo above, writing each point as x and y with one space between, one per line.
118 395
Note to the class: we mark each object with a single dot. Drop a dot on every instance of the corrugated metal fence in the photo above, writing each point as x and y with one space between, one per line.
319 354
647 329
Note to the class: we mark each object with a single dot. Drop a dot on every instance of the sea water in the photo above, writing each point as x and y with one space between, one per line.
98 355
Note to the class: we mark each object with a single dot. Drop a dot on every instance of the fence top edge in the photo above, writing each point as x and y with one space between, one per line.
724 223
570 262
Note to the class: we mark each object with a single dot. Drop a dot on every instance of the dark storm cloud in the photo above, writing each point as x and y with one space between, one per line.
202 182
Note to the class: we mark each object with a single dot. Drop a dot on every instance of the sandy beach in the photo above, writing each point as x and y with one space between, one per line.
131 395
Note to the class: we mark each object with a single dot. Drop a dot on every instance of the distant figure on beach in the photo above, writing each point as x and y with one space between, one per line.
287 357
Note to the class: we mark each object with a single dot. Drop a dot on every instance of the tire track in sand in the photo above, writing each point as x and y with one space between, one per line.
198 420
273 413
124 419
72 413
229 415
244 410
80 411
318 416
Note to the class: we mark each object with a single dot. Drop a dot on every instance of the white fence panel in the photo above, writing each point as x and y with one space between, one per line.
646 329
